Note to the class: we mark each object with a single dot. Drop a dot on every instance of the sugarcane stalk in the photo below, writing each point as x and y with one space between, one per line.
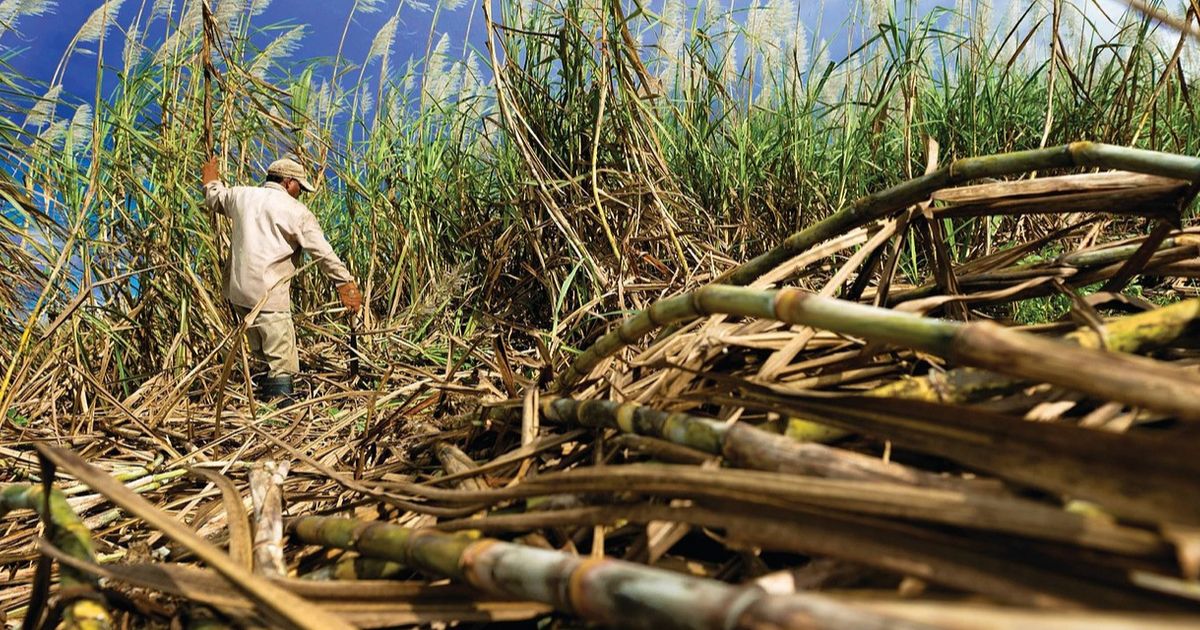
880 204
611 592
110 516
352 566
131 474
1129 379
742 444
1119 253
1131 334
74 539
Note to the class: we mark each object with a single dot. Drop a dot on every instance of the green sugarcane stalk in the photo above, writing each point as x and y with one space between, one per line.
612 592
1129 379
1131 334
878 205
74 539
355 567
742 444
130 474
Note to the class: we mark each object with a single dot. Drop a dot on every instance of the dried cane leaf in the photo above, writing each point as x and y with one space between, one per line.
285 608
240 539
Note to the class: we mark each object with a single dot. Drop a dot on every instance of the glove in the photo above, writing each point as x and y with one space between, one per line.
350 296
210 173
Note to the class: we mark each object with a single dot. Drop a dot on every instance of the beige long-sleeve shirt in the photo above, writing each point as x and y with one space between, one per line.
271 231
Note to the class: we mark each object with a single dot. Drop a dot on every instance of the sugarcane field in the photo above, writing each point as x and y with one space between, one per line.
842 314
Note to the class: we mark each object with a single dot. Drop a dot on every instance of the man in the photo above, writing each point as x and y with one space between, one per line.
271 230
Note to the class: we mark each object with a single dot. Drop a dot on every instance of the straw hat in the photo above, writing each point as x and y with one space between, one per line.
290 168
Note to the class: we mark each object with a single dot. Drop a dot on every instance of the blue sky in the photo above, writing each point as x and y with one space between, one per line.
36 49
42 39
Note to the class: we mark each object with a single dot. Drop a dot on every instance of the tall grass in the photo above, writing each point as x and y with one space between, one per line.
593 156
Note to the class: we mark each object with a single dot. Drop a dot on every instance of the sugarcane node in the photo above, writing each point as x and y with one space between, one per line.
556 408
655 317
696 300
577 591
588 413
438 552
788 302
471 564
627 337
626 417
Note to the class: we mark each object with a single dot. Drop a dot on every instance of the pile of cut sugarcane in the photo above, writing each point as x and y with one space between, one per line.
807 442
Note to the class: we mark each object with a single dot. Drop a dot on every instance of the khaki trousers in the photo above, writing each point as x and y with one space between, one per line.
272 340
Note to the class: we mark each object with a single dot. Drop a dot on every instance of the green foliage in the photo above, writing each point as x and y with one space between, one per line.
17 419
1041 309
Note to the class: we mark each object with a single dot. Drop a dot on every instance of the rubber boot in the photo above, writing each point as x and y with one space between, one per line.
277 387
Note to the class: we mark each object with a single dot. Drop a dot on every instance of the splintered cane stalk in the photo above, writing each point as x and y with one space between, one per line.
266 481
1111 376
611 592
878 205
74 539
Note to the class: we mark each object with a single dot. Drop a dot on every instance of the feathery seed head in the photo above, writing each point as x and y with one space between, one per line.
281 47
671 41
381 45
99 22
11 11
43 109
228 11
80 129
368 6
131 55
441 82
161 9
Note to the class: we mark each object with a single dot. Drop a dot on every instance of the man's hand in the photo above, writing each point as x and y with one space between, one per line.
210 172
351 297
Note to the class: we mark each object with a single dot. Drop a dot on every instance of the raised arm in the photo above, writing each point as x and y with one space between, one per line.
215 191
